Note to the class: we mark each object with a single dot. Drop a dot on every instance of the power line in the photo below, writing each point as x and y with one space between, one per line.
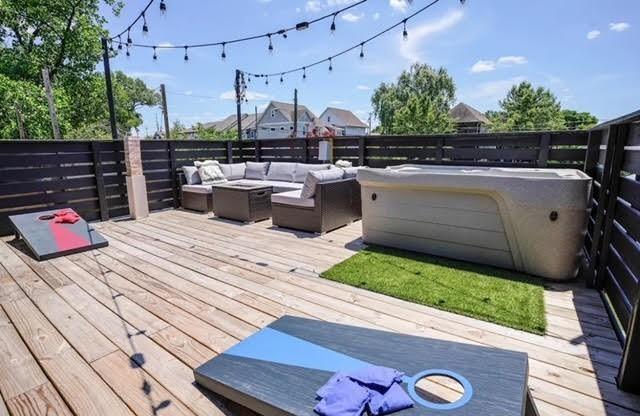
142 15
117 39
359 45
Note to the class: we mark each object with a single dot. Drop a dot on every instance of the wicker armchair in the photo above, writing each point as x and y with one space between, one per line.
336 204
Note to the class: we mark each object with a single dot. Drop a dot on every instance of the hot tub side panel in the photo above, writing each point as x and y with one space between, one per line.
459 225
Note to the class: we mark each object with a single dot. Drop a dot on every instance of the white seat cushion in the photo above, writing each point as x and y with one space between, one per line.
278 186
233 171
319 176
281 171
303 168
197 189
256 170
292 198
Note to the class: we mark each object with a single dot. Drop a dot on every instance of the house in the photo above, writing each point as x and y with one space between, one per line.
468 119
227 124
345 121
277 121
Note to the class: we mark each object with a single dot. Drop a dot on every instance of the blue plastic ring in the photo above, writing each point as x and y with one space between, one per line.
411 387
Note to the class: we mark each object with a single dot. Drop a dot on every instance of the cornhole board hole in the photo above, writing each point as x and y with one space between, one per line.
278 370
47 239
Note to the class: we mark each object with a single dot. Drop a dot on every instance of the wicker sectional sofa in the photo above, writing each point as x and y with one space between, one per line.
334 204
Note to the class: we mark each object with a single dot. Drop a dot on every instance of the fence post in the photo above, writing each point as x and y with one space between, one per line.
362 147
97 170
629 372
439 150
229 152
593 150
258 151
136 184
174 174
618 135
543 152
305 150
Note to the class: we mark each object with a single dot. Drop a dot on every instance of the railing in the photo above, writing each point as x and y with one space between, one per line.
87 176
612 244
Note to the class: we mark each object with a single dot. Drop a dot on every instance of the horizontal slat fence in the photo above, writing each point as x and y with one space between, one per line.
87 176
612 244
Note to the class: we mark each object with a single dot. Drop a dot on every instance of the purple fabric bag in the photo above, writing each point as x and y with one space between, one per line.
348 394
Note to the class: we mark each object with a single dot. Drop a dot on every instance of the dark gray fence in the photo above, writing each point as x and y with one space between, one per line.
87 176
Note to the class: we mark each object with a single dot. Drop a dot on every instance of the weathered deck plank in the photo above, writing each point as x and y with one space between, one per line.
176 288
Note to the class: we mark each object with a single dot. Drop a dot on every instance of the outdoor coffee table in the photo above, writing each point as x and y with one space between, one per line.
242 202
47 239
278 370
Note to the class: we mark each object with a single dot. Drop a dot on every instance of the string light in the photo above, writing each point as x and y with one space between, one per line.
223 55
186 53
119 43
145 28
155 54
283 32
266 81
281 78
128 53
359 45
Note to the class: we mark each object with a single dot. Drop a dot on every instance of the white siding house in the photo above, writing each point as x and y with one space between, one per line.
345 121
276 122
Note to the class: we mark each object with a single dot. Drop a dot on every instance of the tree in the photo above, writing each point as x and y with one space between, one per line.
575 120
418 103
528 108
212 134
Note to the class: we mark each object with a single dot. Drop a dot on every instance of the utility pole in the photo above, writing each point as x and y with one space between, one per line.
21 130
107 79
256 123
370 116
52 104
165 112
239 96
295 113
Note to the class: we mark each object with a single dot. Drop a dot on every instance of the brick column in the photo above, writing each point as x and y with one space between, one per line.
136 184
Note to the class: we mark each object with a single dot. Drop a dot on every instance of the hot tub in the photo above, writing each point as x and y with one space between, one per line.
531 220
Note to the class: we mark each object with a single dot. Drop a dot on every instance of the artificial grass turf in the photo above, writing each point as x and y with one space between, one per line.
496 295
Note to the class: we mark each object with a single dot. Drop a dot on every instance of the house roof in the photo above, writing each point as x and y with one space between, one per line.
287 109
463 113
250 121
349 119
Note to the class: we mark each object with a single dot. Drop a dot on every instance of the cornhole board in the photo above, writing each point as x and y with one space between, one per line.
47 239
278 370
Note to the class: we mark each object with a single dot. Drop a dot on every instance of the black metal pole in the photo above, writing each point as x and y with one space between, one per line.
295 113
238 104
110 101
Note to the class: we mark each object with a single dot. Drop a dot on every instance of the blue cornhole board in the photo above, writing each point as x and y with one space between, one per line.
277 370
47 239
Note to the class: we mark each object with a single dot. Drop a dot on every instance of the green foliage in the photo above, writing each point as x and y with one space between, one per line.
212 134
575 120
483 292
418 103
528 108
63 35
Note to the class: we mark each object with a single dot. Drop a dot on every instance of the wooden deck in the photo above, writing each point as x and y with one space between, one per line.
119 330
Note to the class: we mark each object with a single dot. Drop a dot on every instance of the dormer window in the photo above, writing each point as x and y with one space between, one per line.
329 119
273 113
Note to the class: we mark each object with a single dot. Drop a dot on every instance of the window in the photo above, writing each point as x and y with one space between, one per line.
281 128
273 113
329 119
273 129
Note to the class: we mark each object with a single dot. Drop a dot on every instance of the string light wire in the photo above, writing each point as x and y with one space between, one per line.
359 45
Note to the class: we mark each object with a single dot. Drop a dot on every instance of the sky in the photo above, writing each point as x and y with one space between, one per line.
583 50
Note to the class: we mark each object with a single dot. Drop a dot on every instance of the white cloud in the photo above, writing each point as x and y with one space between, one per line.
188 92
363 87
350 17
593 34
503 61
619 27
150 76
313 6
410 49
483 66
336 102
512 60
376 16
399 5
251 96
495 90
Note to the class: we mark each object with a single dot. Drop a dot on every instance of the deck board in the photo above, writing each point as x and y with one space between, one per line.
176 288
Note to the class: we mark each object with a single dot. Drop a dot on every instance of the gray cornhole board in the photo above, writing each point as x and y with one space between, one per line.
276 371
41 238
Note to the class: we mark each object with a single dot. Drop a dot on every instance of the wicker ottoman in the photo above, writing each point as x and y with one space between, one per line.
242 202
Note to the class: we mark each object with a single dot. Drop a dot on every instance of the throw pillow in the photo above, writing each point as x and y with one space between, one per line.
350 172
210 172
319 176
233 171
343 164
256 170
281 171
191 175
303 168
